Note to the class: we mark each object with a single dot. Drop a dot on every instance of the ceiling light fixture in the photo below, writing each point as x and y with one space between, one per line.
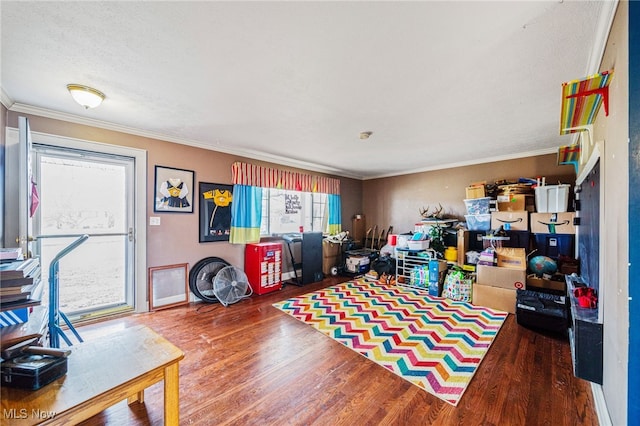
86 96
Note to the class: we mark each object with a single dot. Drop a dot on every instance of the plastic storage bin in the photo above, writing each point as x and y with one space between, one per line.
554 245
477 205
552 198
478 222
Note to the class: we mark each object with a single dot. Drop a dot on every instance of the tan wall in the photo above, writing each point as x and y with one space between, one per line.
614 246
397 201
176 239
3 124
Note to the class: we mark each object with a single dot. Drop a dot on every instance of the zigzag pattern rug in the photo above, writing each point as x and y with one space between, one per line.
434 343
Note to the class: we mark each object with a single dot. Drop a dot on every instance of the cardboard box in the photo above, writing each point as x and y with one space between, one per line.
553 223
463 245
502 299
474 191
330 249
516 202
557 282
329 262
16 316
510 221
511 257
357 264
496 276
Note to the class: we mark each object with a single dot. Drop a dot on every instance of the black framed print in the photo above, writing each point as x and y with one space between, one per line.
173 190
215 211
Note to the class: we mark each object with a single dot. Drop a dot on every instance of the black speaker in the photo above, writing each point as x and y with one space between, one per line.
311 252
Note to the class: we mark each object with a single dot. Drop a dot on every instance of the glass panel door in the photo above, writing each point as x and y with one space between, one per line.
89 193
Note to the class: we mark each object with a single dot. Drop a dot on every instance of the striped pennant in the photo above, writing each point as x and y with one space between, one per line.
434 343
581 100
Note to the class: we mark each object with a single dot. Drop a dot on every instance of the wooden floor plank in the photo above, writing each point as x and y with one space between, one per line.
250 364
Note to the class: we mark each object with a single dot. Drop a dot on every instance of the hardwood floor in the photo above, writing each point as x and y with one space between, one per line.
250 364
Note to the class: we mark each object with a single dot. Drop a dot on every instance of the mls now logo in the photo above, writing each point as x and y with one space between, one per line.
14 413
23 413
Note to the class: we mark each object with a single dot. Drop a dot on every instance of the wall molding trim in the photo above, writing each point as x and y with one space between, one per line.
601 405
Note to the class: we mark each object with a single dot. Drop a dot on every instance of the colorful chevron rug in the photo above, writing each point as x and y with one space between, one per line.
434 343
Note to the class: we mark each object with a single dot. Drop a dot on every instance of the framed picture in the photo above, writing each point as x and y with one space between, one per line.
173 190
215 211
168 286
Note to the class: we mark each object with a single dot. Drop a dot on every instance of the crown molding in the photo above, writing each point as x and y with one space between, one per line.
5 99
470 163
602 30
255 155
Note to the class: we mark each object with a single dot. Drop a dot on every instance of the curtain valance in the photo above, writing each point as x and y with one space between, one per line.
266 177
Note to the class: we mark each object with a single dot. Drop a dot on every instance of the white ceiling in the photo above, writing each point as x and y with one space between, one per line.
438 83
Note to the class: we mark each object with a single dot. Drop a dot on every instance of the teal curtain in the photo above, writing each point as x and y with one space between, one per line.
334 222
246 214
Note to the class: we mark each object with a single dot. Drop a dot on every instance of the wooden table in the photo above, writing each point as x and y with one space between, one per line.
100 374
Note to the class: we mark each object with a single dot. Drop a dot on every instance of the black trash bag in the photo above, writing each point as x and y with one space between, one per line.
384 265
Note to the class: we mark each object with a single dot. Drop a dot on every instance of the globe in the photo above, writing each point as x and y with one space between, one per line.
541 265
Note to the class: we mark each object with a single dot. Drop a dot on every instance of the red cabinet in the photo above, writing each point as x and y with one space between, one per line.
263 266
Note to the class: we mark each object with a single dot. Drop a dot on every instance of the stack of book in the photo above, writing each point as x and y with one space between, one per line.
19 281
10 253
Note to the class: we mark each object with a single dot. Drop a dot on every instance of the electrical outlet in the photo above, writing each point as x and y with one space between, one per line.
154 220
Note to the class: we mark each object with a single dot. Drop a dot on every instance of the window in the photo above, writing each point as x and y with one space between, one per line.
285 211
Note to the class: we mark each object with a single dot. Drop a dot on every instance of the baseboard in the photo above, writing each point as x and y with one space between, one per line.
288 276
601 405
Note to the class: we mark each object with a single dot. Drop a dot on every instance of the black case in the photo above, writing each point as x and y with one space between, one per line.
542 311
32 371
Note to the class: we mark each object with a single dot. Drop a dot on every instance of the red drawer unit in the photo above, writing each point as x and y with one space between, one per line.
263 266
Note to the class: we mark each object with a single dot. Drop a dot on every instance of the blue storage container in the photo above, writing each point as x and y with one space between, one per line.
518 239
554 245
478 222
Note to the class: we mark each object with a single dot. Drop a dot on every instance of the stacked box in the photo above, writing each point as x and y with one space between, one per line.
554 234
475 191
510 220
553 223
331 253
495 287
516 203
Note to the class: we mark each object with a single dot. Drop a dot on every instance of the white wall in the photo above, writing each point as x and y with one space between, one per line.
614 292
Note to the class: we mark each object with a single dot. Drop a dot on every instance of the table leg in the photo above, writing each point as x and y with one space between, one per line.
137 397
171 395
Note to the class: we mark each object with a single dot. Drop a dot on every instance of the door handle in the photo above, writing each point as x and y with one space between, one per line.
23 239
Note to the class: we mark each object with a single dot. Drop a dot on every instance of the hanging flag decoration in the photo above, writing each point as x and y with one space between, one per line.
569 154
34 199
581 101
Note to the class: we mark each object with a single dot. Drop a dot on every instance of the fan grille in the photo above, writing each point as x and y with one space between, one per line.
231 285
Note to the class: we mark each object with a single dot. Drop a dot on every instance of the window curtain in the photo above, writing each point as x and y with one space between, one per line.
266 177
334 217
249 179
246 214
